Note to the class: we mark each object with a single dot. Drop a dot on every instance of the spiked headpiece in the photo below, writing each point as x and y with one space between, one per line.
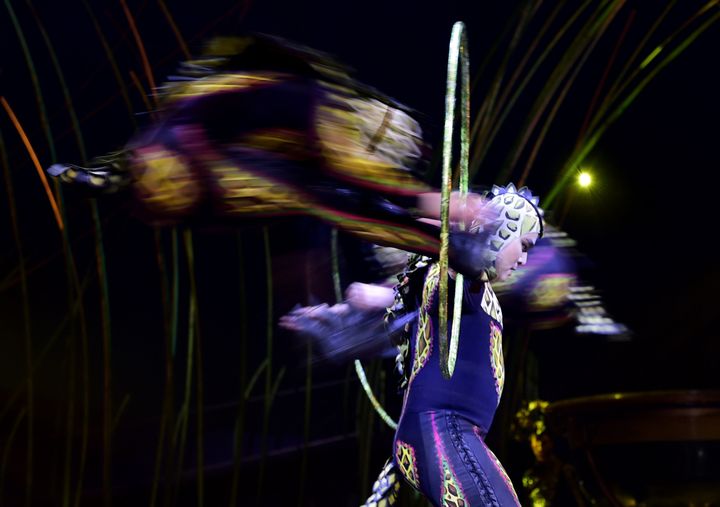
518 214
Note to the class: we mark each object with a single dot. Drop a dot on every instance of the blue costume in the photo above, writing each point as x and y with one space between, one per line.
439 446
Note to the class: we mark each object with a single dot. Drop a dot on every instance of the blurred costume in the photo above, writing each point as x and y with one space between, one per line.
258 127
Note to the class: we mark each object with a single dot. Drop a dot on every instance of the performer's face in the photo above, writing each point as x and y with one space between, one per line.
513 255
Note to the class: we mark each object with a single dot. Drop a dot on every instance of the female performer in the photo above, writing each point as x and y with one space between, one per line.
439 445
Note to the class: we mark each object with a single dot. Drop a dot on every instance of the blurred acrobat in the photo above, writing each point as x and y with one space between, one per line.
260 128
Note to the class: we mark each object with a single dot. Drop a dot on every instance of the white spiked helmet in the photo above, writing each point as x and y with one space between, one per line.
518 214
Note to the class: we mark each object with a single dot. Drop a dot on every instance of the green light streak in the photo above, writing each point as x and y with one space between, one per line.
579 156
651 57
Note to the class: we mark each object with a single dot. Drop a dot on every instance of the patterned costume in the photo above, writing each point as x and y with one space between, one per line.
439 445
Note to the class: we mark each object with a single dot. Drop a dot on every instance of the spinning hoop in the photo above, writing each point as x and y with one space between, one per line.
458 54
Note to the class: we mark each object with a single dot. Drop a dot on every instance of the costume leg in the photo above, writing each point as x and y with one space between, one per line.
443 456
480 462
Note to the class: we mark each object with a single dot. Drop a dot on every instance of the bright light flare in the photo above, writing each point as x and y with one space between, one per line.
585 179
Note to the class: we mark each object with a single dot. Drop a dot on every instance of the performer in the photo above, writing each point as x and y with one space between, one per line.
259 128
439 444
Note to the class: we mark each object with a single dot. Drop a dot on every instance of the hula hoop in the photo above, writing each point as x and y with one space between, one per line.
360 371
458 54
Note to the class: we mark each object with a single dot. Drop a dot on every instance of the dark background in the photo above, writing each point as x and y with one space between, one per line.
647 226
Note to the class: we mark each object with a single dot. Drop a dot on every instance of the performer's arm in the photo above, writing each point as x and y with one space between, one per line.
474 209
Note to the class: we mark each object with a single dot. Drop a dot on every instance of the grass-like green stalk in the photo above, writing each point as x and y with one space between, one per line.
199 430
175 29
67 99
241 411
268 356
69 425
170 326
603 79
568 62
119 411
43 352
76 290
74 281
175 315
620 82
28 341
107 355
490 100
27 333
364 428
140 45
181 425
170 361
308 366
519 69
335 262
582 152
69 259
306 423
482 140
34 79
8 447
563 93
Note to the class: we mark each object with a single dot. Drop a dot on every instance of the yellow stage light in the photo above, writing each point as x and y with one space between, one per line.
584 179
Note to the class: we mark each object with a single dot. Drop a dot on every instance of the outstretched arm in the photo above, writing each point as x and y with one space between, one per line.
353 329
474 210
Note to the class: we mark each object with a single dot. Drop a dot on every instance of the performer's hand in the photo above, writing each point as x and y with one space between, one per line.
311 319
367 297
341 332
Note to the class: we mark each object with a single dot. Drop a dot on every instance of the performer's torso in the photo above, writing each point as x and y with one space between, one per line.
476 384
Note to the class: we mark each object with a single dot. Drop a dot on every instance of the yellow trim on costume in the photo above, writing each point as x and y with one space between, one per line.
491 305
220 83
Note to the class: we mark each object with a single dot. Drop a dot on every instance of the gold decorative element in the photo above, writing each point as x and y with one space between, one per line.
405 459
541 479
452 493
497 361
491 305
423 336
215 83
